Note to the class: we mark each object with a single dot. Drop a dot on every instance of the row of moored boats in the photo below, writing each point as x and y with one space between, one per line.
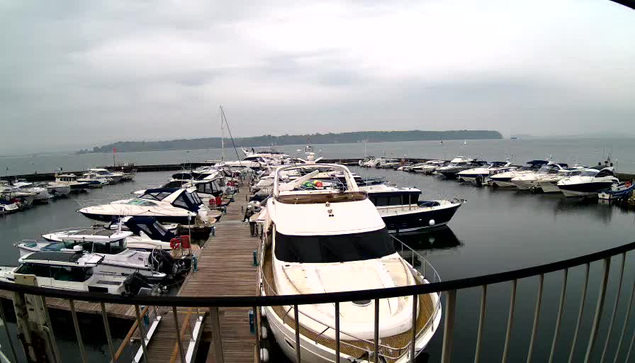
536 175
17 195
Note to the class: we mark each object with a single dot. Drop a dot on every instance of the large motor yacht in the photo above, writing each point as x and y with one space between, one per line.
588 183
457 165
505 179
481 174
529 181
169 205
328 237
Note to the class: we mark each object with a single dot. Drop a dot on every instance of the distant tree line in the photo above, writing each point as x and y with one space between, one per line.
268 140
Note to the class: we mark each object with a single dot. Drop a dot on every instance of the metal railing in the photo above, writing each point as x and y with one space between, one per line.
592 342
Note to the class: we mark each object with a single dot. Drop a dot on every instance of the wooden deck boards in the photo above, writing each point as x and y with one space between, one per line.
224 269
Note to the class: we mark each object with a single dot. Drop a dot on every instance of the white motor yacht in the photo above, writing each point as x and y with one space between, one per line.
72 271
529 181
331 239
481 174
457 165
169 205
14 195
8 207
504 179
94 180
58 190
114 176
71 181
588 183
428 167
549 183
40 194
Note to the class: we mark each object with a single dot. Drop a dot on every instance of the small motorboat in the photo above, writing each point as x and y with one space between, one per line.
457 165
428 167
8 207
57 190
481 174
589 183
40 194
115 177
72 182
94 180
504 179
621 191
529 181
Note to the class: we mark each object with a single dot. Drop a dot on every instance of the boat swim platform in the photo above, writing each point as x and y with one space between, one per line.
225 268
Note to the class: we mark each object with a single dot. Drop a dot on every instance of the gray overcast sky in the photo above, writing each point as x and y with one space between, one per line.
83 73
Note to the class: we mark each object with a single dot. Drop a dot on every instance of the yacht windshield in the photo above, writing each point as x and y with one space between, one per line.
334 248
589 173
142 203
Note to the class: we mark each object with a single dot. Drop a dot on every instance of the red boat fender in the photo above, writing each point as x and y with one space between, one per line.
185 242
176 243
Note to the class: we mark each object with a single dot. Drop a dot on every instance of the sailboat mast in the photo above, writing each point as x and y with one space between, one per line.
222 134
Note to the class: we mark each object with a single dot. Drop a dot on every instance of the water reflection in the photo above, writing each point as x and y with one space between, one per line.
442 238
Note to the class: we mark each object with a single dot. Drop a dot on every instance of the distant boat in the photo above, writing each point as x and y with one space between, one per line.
441 142
465 142
513 138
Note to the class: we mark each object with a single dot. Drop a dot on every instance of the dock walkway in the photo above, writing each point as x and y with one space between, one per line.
225 268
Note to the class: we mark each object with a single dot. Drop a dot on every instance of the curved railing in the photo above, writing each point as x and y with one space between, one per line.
449 287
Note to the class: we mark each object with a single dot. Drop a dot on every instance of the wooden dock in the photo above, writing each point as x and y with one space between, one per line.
225 268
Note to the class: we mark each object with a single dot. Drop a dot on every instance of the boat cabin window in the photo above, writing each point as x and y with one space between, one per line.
388 199
189 201
157 195
110 248
205 188
60 273
173 184
141 202
605 172
333 248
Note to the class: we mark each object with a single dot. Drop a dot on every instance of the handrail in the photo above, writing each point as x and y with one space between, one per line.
250 301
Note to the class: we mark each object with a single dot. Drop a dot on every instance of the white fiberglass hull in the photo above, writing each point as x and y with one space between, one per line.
312 352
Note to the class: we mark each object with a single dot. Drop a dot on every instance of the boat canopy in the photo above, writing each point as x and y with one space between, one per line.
150 226
605 172
158 193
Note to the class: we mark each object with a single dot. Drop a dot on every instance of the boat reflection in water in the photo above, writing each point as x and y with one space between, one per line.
441 238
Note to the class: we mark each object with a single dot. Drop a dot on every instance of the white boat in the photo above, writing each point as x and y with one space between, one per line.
457 165
428 167
549 183
141 233
369 162
529 181
94 180
58 190
67 271
332 240
71 181
481 174
14 195
114 176
40 194
169 205
505 179
7 207
403 212
589 183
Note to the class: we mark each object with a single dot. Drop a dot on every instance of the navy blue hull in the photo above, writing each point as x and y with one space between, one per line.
413 222
586 187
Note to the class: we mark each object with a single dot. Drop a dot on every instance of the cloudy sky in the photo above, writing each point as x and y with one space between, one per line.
83 73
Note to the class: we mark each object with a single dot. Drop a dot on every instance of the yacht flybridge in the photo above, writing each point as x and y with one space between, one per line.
169 205
328 237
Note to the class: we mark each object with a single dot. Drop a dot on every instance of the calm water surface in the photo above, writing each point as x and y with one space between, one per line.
495 230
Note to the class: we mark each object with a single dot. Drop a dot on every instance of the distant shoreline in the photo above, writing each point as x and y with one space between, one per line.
269 140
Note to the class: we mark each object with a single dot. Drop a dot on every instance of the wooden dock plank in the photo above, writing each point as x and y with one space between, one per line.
225 268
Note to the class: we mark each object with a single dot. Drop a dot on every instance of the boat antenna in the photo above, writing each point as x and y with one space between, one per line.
224 118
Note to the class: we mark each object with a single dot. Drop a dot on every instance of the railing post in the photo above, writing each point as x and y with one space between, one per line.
534 330
481 324
78 333
559 317
217 339
413 341
626 320
448 327
258 330
598 309
510 320
337 332
111 347
615 306
298 347
178 333
376 350
580 312
142 333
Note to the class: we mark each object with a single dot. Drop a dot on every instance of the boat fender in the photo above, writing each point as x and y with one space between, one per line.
264 355
432 222
175 243
264 333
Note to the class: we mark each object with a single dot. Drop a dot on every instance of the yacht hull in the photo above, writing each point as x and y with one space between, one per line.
159 218
584 190
402 220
